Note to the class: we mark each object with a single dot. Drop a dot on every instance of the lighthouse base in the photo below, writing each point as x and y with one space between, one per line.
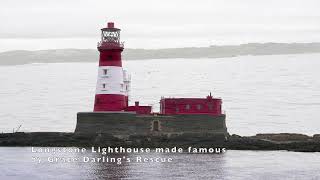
124 124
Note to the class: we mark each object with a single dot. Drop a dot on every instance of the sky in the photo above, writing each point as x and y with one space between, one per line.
56 24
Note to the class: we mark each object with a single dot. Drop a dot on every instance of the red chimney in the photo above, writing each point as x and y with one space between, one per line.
136 103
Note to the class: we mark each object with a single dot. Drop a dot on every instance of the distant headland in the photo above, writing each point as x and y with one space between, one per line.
91 55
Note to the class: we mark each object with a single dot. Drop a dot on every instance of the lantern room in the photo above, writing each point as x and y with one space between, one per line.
110 37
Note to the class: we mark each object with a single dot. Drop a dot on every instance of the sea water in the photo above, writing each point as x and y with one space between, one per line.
261 94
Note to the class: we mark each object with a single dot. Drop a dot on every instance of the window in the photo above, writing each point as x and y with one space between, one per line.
199 106
105 71
177 110
187 106
103 86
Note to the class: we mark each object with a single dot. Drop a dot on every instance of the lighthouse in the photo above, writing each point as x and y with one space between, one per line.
113 83
114 116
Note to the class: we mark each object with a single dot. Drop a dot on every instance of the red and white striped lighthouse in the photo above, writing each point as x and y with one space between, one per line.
113 82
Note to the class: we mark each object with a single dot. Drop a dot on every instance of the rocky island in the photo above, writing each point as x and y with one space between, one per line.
280 141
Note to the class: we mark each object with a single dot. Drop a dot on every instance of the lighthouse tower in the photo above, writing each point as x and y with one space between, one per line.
113 82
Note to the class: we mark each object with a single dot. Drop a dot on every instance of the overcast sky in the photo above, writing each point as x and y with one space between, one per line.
154 24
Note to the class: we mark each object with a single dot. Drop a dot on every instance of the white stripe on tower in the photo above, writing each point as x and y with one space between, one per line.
110 80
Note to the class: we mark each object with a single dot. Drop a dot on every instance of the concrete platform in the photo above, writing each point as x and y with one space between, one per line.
124 123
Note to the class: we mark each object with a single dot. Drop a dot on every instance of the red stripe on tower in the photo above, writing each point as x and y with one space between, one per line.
113 82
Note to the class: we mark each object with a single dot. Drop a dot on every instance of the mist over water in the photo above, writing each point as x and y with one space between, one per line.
168 41
261 94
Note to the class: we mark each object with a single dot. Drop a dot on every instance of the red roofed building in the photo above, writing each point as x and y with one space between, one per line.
209 105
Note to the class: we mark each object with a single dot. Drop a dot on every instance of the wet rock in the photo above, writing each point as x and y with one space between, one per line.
282 141
283 137
316 137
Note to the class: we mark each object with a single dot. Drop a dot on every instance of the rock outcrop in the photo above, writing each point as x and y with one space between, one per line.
282 141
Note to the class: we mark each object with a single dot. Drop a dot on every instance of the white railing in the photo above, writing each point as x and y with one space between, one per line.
110 44
126 76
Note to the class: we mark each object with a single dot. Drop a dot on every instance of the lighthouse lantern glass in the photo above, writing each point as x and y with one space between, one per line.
110 36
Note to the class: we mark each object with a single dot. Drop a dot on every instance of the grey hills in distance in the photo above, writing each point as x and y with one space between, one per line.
18 57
